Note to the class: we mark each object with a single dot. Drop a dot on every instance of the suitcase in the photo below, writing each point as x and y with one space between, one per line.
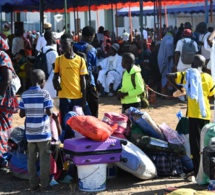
209 161
147 143
84 151
138 163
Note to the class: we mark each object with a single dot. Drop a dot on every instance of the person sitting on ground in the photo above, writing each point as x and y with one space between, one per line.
110 71
36 105
128 93
199 112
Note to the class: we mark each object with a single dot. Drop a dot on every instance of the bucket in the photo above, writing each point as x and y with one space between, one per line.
92 178
112 171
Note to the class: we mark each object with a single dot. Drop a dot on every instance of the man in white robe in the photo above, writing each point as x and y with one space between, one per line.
110 71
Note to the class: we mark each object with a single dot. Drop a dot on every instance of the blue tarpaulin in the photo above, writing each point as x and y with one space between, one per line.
54 5
135 11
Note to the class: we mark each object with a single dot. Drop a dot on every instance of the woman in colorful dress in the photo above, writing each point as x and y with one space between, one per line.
8 100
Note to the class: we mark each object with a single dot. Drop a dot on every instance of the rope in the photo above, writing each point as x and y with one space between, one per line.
164 95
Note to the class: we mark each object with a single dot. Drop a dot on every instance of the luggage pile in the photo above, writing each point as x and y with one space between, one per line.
163 145
133 142
98 147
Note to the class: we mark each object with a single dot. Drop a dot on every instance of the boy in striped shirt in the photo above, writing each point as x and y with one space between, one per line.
36 105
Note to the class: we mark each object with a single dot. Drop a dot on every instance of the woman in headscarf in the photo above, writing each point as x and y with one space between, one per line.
8 100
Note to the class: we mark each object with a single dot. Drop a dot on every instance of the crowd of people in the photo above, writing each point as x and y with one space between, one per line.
85 68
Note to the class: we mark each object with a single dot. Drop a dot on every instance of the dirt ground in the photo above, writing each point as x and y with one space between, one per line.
162 111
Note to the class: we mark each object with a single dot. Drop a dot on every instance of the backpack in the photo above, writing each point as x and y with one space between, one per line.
188 52
91 91
144 95
83 54
41 62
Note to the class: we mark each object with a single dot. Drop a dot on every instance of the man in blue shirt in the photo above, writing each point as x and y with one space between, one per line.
88 34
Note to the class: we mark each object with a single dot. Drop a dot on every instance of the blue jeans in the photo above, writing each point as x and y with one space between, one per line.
67 105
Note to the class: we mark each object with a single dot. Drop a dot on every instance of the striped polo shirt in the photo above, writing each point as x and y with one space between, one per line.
35 101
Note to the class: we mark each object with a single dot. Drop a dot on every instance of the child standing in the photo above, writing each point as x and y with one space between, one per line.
128 93
36 105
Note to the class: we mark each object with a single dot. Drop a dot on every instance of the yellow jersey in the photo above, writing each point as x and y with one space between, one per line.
70 71
208 88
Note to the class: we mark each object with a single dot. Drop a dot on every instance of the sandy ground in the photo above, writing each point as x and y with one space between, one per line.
162 111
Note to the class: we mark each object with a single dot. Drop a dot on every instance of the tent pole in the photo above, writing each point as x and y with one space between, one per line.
192 19
1 19
141 29
78 24
113 37
166 17
154 16
130 23
116 19
160 20
211 11
41 16
65 13
97 17
157 25
12 21
206 11
89 12
75 27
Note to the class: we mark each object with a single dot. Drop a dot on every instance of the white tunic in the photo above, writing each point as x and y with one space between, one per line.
111 72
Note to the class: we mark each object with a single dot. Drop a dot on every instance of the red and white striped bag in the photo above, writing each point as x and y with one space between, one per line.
121 120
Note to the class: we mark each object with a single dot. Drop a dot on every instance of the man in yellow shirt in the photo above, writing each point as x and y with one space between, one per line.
69 79
198 111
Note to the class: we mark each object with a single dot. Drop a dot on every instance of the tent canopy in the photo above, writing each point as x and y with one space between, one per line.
82 5
135 11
